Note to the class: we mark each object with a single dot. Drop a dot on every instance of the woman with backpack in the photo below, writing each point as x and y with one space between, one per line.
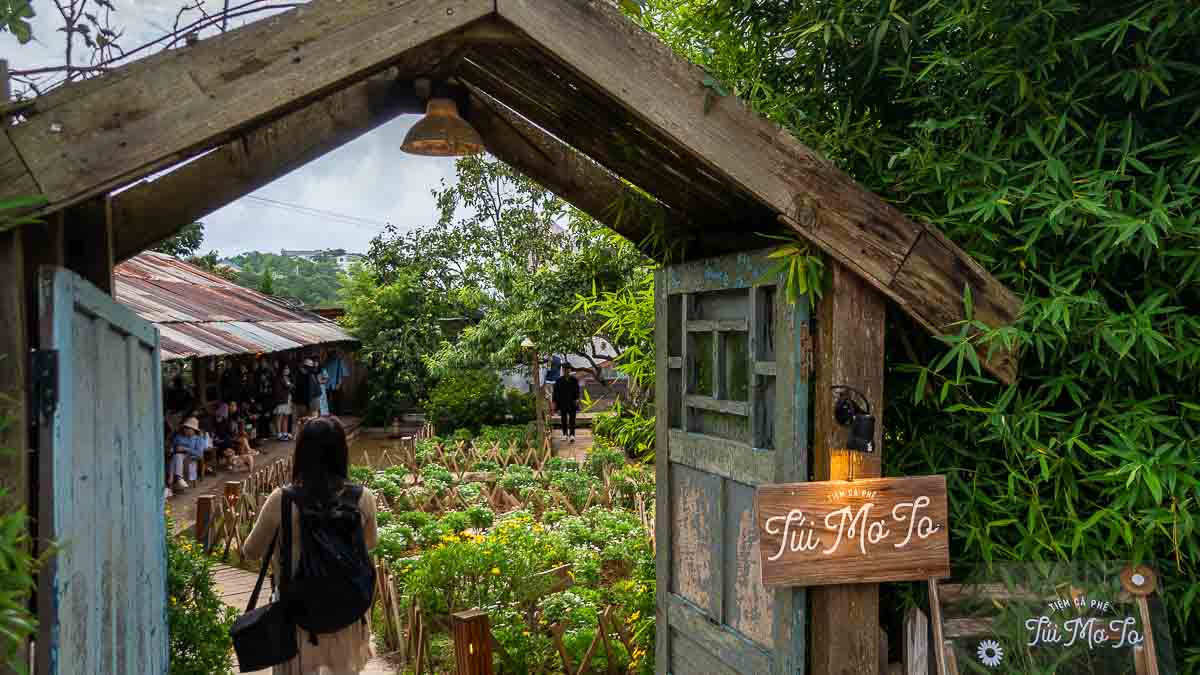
331 527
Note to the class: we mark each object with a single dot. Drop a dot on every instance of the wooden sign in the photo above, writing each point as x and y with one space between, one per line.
853 532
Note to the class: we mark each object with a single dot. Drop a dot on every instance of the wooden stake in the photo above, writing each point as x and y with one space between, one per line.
204 514
472 642
935 615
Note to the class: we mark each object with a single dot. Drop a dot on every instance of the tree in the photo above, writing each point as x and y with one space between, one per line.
512 254
314 283
397 322
184 243
1056 142
266 285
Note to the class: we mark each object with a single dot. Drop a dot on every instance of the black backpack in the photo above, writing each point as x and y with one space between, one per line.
334 581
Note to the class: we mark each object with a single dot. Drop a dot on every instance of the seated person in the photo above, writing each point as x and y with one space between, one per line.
240 457
225 426
187 449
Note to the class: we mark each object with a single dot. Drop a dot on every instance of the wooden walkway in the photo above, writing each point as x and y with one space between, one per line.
235 586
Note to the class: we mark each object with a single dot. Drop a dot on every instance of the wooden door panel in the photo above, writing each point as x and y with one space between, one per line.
733 412
102 597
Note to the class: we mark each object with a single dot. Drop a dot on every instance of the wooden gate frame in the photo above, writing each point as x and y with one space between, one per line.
567 91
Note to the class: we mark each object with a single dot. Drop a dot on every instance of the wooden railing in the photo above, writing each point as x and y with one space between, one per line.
224 521
407 629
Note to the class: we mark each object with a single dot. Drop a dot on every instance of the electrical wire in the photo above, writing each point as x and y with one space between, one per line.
300 209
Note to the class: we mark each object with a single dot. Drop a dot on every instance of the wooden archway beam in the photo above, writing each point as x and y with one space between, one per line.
152 211
95 136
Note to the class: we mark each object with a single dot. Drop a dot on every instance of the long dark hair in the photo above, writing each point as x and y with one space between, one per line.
321 464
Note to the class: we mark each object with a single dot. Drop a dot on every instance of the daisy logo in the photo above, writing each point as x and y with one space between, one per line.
990 653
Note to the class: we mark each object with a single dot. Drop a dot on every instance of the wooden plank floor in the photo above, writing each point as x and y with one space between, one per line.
235 586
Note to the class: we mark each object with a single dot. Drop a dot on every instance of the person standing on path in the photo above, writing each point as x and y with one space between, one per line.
320 469
283 402
566 399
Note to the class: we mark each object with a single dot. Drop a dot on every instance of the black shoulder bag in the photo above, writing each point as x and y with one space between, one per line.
266 636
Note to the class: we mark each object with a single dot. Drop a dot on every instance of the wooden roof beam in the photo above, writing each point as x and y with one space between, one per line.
909 262
108 132
582 181
150 212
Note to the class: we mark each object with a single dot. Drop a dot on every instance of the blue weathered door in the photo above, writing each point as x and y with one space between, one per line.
733 363
102 596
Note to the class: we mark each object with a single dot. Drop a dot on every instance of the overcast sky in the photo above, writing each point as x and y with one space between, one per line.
369 179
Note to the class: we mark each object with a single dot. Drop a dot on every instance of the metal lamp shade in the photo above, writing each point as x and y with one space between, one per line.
442 133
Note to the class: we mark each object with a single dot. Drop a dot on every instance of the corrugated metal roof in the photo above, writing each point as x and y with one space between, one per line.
201 314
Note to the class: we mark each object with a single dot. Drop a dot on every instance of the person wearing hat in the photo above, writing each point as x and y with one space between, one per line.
308 390
187 447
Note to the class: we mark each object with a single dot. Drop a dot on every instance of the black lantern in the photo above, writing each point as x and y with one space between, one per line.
849 413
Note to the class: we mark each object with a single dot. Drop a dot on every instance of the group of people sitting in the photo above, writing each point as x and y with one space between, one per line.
250 406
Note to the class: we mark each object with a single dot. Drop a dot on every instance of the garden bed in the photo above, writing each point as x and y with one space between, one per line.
559 553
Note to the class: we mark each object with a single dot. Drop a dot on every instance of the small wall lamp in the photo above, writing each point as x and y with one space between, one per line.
848 413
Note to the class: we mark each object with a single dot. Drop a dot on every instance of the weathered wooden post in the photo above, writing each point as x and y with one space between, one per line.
472 642
204 514
849 352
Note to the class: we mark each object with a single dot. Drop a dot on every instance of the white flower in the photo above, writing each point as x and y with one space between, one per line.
990 653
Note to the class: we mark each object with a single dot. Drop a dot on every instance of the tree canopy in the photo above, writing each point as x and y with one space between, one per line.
513 258
1056 142
315 283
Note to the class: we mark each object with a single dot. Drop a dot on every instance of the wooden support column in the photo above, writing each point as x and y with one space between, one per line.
43 246
849 351
14 349
88 242
200 381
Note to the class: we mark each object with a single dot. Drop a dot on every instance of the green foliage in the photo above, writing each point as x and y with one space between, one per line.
804 270
315 283
626 427
198 621
1056 142
11 210
14 18
397 322
18 566
183 243
465 400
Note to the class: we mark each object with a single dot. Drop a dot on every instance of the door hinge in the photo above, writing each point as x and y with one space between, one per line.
43 384
807 358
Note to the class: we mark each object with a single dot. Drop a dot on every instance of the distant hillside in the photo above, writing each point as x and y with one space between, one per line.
313 282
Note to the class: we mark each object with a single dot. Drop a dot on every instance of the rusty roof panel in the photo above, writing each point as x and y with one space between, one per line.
201 314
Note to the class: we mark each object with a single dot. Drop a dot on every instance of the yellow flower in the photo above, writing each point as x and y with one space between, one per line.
525 633
633 617
496 571
172 600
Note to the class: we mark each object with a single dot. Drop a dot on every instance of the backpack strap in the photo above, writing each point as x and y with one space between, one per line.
262 573
285 548
350 496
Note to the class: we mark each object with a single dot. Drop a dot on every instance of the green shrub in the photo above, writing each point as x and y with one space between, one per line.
504 435
517 478
17 583
627 428
465 400
197 620
1056 143
395 540
456 522
521 406
603 458
556 464
481 517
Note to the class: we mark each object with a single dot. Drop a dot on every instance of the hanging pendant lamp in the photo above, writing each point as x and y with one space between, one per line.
442 133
